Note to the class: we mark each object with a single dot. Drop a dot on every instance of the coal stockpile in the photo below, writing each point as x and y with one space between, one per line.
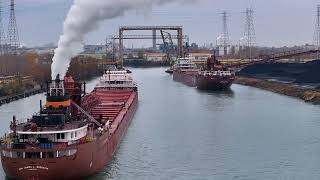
307 73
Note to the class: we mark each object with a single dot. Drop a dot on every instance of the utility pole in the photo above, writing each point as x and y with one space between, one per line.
250 35
13 35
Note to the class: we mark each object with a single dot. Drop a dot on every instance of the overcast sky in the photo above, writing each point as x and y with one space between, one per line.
277 22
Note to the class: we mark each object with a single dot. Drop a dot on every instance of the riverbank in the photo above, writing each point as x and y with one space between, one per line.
18 96
36 90
288 89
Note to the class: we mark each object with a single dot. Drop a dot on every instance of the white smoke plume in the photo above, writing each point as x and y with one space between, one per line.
83 17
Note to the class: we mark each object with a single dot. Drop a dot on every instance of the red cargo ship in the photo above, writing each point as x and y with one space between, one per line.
185 71
74 135
215 76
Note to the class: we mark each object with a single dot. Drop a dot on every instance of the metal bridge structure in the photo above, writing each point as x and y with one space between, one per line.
136 37
121 37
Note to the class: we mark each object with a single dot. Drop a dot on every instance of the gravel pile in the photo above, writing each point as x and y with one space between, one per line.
308 73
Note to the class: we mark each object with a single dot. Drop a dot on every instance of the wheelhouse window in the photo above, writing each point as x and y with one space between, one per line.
60 136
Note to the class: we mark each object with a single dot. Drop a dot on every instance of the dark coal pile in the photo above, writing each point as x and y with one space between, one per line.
308 73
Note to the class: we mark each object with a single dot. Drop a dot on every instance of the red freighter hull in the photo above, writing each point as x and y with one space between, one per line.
91 157
186 77
213 83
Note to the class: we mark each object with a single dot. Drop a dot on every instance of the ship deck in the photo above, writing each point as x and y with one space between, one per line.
113 104
23 127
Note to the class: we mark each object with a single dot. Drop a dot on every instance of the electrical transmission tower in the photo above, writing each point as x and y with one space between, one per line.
225 39
249 34
317 29
2 36
13 35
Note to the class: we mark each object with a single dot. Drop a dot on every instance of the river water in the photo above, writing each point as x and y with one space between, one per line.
182 133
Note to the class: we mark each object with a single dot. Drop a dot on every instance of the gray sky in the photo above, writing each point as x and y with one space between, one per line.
277 22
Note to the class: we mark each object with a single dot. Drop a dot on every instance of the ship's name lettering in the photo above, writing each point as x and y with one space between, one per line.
32 168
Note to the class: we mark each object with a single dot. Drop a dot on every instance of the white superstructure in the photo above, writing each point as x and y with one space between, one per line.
184 63
116 79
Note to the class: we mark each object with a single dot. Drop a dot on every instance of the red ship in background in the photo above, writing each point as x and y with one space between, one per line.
214 76
75 134
185 71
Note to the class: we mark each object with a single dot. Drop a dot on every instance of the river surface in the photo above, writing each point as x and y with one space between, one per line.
180 132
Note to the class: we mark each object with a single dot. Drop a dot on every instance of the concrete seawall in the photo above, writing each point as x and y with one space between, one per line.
308 95
15 97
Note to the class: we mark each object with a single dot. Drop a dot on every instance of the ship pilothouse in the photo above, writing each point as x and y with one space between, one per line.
185 64
116 79
185 71
216 69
